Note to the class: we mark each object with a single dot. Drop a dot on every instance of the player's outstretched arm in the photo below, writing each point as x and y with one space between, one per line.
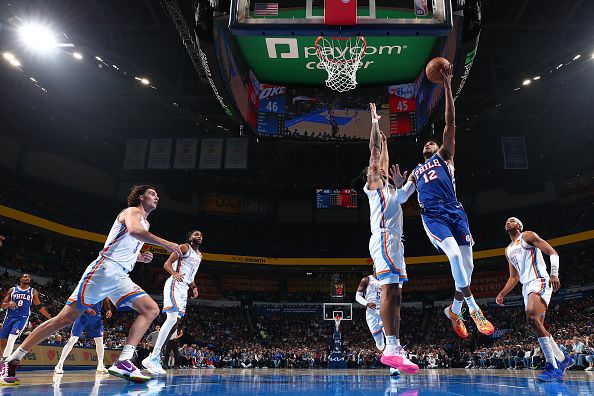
375 147
533 239
448 147
132 218
384 156
403 190
514 277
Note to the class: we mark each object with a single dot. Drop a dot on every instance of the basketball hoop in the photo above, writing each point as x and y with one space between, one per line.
341 58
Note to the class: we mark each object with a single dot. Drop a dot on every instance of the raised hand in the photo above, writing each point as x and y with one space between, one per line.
447 74
397 178
373 110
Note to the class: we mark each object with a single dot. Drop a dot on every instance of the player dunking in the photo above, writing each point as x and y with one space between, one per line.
91 323
443 216
527 265
175 295
107 276
17 302
385 246
369 295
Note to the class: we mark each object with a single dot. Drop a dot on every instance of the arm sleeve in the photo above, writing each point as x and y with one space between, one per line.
554 264
360 299
403 193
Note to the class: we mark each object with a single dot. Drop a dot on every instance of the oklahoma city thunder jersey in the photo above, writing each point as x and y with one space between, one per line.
385 213
373 291
23 299
527 260
188 265
435 181
120 247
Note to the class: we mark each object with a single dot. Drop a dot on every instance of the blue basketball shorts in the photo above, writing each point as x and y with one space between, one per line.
92 325
13 325
447 220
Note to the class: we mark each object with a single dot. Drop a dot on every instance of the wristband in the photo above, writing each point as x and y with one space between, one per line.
375 121
554 265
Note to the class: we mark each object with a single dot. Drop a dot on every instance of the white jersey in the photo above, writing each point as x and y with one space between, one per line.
188 265
373 291
527 260
385 213
121 247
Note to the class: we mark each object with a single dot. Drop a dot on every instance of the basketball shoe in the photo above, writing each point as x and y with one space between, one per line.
126 369
153 365
399 361
550 374
8 373
566 363
482 324
457 322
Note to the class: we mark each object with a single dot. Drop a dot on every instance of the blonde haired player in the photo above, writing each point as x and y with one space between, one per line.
175 295
527 265
369 295
385 245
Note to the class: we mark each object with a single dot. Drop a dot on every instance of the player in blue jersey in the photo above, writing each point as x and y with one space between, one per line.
91 323
18 303
444 219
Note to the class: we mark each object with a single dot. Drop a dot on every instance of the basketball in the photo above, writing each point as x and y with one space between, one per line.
433 69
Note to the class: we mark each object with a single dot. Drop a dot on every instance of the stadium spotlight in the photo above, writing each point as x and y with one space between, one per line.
77 55
38 37
11 59
526 82
592 56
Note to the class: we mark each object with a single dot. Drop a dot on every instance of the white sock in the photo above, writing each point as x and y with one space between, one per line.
472 305
9 345
391 344
457 306
100 350
17 355
558 352
66 350
127 353
547 350
164 333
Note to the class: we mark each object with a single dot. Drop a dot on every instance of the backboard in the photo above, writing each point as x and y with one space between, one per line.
345 310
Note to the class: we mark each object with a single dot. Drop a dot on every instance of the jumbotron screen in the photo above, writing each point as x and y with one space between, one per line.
336 198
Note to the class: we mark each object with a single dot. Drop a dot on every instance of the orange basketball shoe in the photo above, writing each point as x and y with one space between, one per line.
457 322
482 324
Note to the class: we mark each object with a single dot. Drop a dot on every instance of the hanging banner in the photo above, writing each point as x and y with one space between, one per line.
236 154
514 153
135 154
185 154
210 154
160 154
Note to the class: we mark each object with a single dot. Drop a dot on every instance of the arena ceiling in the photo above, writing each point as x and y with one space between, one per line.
92 106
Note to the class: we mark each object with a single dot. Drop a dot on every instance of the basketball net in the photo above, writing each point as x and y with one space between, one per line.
337 320
341 58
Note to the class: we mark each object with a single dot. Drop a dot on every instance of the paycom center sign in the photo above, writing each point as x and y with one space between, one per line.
293 60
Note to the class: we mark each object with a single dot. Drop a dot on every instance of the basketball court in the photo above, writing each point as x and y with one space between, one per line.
304 382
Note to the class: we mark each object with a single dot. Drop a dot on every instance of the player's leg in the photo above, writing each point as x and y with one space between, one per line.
535 312
376 327
153 362
100 349
391 297
59 369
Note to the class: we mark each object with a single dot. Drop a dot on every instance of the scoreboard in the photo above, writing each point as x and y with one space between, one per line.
336 198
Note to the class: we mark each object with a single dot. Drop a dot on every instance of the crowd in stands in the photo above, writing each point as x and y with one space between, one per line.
244 337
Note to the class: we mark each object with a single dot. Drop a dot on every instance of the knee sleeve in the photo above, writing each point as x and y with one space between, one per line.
452 250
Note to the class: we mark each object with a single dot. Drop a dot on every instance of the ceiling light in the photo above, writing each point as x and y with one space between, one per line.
99 59
8 56
145 81
38 37
536 78
578 56
526 82
77 55
14 62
